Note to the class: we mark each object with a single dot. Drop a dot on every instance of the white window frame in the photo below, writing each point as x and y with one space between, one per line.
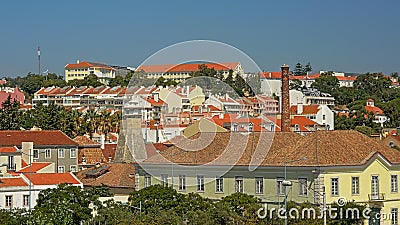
9 200
72 168
35 153
335 190
259 185
59 168
280 190
355 186
394 183
394 215
72 156
59 151
182 182
47 153
239 184
303 186
164 180
25 200
219 184
200 183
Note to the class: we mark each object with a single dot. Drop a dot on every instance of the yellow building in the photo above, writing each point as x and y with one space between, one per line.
80 70
333 165
179 72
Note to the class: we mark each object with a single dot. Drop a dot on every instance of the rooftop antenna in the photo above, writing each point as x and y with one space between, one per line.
38 53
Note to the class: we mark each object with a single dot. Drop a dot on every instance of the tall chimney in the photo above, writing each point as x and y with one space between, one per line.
285 99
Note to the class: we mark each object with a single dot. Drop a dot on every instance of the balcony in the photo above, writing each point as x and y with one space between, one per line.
376 197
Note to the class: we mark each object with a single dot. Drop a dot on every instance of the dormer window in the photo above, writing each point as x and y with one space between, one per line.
251 127
235 127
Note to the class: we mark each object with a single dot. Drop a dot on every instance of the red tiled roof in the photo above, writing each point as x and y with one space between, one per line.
8 149
3 81
189 67
92 155
333 148
351 78
118 175
84 141
152 101
15 95
87 65
43 137
53 178
307 109
36 166
12 182
374 109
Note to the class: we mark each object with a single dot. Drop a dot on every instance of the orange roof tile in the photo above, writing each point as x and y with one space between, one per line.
118 175
43 137
189 67
87 65
307 109
374 109
8 149
53 178
12 182
36 166
84 141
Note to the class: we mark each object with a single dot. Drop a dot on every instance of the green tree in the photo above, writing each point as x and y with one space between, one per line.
327 83
307 68
298 69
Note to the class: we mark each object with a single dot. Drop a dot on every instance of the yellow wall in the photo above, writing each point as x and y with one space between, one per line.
203 125
376 167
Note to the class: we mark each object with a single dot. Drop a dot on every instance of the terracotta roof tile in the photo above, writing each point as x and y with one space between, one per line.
8 149
307 109
333 148
12 182
52 178
43 137
189 67
36 166
118 175
84 141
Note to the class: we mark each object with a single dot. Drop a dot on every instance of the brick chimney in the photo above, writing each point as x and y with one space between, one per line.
285 99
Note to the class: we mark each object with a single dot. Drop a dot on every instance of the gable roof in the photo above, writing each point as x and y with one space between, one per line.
42 137
321 148
84 141
186 67
12 182
88 64
8 149
52 178
36 166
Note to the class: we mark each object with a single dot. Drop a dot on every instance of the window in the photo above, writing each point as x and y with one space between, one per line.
47 153
219 184
393 183
238 184
72 153
61 153
315 127
323 117
164 180
200 183
182 183
335 186
9 201
11 163
303 186
279 187
296 128
26 200
259 185
395 216
61 169
235 127
251 127
35 153
355 185
272 127
72 168
147 180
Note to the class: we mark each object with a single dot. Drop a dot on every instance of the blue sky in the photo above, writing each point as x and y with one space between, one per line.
342 35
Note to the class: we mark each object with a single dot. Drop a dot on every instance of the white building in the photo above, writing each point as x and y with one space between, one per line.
311 97
226 103
15 191
320 114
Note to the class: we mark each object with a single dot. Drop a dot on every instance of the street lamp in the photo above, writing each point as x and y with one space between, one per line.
286 183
